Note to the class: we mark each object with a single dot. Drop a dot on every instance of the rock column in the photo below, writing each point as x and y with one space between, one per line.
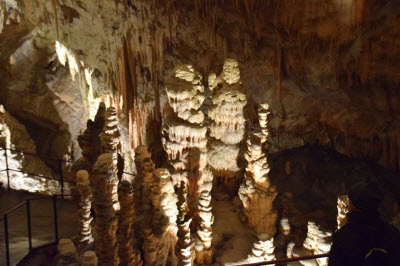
257 193
227 126
104 181
84 205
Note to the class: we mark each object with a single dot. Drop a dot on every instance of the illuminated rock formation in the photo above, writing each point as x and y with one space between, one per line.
160 230
184 135
184 247
103 182
67 254
186 145
127 254
257 193
90 142
342 207
227 126
317 242
89 258
84 204
110 140
13 135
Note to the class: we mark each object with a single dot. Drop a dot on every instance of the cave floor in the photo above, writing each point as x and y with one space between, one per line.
232 239
42 223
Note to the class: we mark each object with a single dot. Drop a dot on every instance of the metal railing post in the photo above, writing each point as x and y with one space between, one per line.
6 239
55 217
61 178
7 170
28 215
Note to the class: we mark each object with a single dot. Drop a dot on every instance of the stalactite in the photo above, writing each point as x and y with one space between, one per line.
104 181
84 205
127 254
227 126
184 247
257 193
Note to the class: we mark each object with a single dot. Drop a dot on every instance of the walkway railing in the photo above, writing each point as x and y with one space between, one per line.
59 162
286 260
27 204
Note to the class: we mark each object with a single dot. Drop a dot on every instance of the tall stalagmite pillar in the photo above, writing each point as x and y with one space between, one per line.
257 193
104 181
84 205
185 141
227 126
127 254
185 243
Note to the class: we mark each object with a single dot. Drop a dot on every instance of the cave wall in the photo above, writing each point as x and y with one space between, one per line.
327 70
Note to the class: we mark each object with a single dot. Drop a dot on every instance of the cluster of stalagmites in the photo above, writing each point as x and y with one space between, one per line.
257 193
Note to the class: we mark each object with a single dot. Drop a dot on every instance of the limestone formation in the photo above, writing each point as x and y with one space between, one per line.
90 142
160 231
89 258
127 254
184 247
184 140
318 242
342 207
67 255
227 124
257 193
104 181
84 205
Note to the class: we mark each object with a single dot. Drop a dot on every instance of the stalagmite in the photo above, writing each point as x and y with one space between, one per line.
67 253
127 254
184 140
227 126
257 193
185 243
317 242
84 203
90 142
160 231
110 140
104 181
89 258
342 204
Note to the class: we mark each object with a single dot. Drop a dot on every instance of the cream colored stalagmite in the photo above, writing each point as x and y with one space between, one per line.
227 126
127 254
185 141
84 202
90 142
160 233
110 140
185 243
104 180
257 193
342 207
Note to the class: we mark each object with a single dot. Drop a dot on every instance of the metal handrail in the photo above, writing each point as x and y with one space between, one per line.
35 155
285 260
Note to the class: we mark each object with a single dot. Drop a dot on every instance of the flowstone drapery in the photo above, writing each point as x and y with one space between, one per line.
257 193
84 205
227 125
104 181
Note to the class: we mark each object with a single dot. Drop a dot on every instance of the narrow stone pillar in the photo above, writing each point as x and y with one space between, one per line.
104 181
84 205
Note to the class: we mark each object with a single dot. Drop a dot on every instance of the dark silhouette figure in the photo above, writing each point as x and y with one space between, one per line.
366 239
